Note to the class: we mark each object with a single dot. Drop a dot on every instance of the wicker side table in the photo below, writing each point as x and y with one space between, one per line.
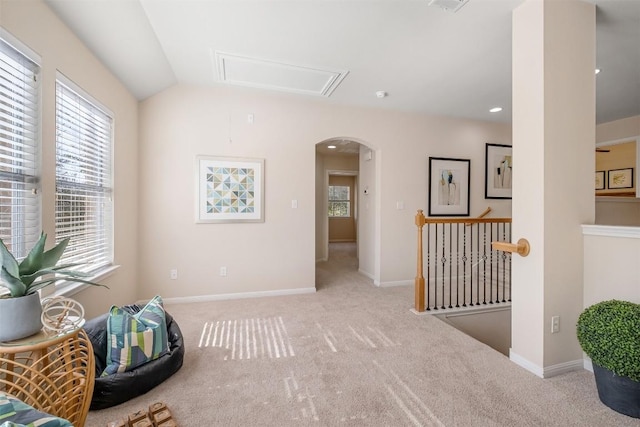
53 374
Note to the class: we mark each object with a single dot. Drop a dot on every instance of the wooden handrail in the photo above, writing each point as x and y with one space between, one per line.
482 215
522 247
432 220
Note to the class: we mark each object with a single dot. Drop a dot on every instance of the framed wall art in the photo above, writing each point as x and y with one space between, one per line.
498 171
229 189
620 178
600 181
449 181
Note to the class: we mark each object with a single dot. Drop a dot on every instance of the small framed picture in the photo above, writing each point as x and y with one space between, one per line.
498 171
229 189
620 178
449 182
600 180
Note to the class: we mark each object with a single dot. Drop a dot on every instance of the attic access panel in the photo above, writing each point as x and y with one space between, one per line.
448 5
271 75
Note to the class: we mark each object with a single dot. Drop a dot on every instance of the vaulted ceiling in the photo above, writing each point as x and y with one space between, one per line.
424 58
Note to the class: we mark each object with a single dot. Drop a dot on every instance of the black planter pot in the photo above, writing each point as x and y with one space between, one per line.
619 393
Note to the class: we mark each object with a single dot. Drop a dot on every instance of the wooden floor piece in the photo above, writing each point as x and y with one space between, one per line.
158 415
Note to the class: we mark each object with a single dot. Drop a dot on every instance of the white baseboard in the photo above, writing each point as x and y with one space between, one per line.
563 368
548 371
239 295
524 363
370 276
464 311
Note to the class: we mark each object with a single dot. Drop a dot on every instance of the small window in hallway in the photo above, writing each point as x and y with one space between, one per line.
339 201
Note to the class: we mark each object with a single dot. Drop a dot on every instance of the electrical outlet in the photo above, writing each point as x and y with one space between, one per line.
173 273
555 324
223 271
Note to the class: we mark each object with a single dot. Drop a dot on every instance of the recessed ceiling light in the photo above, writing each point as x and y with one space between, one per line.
597 70
331 147
495 110
381 94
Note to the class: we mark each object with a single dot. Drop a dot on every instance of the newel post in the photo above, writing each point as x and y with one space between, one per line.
419 282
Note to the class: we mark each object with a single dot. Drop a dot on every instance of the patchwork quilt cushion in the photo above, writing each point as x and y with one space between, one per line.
16 413
135 339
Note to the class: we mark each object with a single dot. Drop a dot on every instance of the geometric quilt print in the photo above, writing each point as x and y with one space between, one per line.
230 190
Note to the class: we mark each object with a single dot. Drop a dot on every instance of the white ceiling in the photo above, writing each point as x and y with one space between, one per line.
427 59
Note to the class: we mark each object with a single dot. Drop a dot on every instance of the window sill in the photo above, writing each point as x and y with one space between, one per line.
73 288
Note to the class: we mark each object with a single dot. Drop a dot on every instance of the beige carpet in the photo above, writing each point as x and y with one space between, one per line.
353 354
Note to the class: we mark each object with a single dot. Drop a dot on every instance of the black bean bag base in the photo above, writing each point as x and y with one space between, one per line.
122 386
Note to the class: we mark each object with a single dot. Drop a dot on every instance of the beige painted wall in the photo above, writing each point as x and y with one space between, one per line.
33 23
608 210
619 156
183 121
618 129
618 211
612 264
368 221
321 234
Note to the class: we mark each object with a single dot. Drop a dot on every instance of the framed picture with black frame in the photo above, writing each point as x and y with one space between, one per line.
498 171
600 181
449 184
620 178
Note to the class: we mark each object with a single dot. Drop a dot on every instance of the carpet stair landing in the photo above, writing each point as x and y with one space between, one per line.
158 415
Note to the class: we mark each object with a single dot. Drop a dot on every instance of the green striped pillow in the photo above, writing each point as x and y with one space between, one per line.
135 339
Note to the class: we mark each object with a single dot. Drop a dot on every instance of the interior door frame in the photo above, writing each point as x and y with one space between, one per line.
325 205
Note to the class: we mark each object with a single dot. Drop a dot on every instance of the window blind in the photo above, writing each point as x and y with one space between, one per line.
83 179
19 145
339 201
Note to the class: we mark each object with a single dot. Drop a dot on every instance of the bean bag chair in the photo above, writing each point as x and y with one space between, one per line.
115 388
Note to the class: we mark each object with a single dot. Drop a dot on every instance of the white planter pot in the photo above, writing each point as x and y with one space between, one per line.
20 317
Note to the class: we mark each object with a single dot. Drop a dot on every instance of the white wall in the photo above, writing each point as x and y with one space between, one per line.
33 23
368 218
279 254
612 264
320 222
553 120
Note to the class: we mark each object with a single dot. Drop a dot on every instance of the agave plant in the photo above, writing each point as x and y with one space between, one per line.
26 277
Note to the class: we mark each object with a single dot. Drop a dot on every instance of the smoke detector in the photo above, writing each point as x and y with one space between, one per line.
448 5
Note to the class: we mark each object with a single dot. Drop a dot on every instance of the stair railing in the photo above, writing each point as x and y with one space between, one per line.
462 268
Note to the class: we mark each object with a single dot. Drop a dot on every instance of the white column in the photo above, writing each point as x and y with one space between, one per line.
553 182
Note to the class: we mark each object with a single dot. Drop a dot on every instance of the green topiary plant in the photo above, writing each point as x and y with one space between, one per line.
26 277
609 333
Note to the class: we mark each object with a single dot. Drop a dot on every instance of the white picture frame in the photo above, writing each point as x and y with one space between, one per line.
229 189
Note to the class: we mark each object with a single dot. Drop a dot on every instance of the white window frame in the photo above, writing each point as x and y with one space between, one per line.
21 156
102 265
347 201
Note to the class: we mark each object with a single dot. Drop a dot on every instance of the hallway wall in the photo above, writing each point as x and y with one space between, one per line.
279 255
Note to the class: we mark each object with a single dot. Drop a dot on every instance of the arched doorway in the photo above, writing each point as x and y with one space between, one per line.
345 179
